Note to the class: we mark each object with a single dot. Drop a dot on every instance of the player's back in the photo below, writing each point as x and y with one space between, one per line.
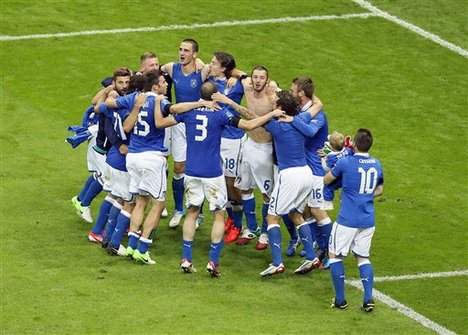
360 174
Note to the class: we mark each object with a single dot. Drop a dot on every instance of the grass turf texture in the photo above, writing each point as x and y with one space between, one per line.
370 72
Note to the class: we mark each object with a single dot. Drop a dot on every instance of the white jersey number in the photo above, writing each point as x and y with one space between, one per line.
202 128
368 180
146 127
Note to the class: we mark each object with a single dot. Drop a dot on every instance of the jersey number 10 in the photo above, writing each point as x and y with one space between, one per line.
368 180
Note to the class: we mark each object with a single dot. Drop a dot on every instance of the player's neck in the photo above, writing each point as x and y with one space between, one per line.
189 67
360 153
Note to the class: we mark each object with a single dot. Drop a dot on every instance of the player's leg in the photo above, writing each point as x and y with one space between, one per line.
311 262
262 242
361 251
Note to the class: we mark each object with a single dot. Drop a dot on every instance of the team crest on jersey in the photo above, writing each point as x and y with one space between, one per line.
193 83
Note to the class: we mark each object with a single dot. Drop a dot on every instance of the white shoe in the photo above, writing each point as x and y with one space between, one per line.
122 251
175 221
164 213
272 270
85 214
328 206
187 266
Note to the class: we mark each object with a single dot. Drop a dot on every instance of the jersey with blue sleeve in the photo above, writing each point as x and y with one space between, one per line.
334 156
316 130
203 128
187 87
288 143
235 93
145 136
360 175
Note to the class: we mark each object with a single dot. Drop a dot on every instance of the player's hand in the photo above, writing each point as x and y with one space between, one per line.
219 97
123 149
231 82
141 98
278 113
285 118
212 105
199 65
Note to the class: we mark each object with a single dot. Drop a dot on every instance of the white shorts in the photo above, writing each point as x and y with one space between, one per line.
230 155
120 184
167 142
256 167
343 239
316 195
148 174
213 189
178 142
291 191
97 164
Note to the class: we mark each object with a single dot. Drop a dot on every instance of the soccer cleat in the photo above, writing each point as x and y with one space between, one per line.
328 206
95 238
228 225
104 242
164 213
85 214
308 266
325 264
144 258
232 235
120 251
368 306
176 218
129 252
273 270
200 218
262 242
292 246
247 235
187 266
76 204
343 305
212 268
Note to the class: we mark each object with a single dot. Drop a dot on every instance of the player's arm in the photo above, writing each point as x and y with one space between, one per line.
378 191
132 118
183 107
219 97
302 123
329 178
167 68
316 107
159 120
257 122
101 95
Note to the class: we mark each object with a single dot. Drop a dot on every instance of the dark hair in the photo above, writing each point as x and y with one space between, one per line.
207 90
287 103
227 61
151 78
363 140
305 84
122 72
260 68
193 42
147 55
137 82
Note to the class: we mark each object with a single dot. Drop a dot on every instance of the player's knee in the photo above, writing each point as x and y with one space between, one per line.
179 167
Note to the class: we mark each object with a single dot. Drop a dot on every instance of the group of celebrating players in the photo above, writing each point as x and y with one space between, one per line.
132 127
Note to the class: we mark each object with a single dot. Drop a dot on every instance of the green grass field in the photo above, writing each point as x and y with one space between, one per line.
369 72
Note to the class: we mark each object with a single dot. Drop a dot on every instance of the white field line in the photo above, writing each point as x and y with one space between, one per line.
190 26
392 303
413 28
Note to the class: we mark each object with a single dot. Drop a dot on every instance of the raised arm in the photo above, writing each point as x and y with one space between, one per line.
159 120
316 106
183 107
132 118
167 68
219 97
259 121
101 95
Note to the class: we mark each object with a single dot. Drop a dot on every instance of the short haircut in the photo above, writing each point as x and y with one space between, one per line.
363 140
193 42
207 90
305 84
151 78
147 55
259 68
122 72
337 141
227 61
137 82
287 103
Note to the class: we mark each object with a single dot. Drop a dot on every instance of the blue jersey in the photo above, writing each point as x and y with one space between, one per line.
187 87
360 175
145 136
203 129
234 93
334 156
288 143
316 130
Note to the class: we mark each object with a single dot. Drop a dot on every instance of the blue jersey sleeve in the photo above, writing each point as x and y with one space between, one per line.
306 125
106 110
165 107
127 101
337 171
180 117
272 126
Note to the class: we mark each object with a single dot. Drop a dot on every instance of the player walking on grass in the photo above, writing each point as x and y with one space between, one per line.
362 179
204 174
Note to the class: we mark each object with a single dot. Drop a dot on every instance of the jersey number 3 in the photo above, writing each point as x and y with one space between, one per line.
202 128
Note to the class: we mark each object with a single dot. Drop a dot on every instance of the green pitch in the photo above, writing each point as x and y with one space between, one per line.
369 72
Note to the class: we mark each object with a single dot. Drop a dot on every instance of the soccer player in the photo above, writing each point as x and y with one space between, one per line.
317 133
187 82
204 174
362 179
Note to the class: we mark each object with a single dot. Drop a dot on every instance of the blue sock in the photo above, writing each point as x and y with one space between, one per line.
264 215
229 209
315 231
215 251
123 222
338 277
249 211
178 192
85 188
187 250
306 239
274 236
133 238
103 216
325 232
290 227
237 214
366 271
94 189
144 245
112 222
